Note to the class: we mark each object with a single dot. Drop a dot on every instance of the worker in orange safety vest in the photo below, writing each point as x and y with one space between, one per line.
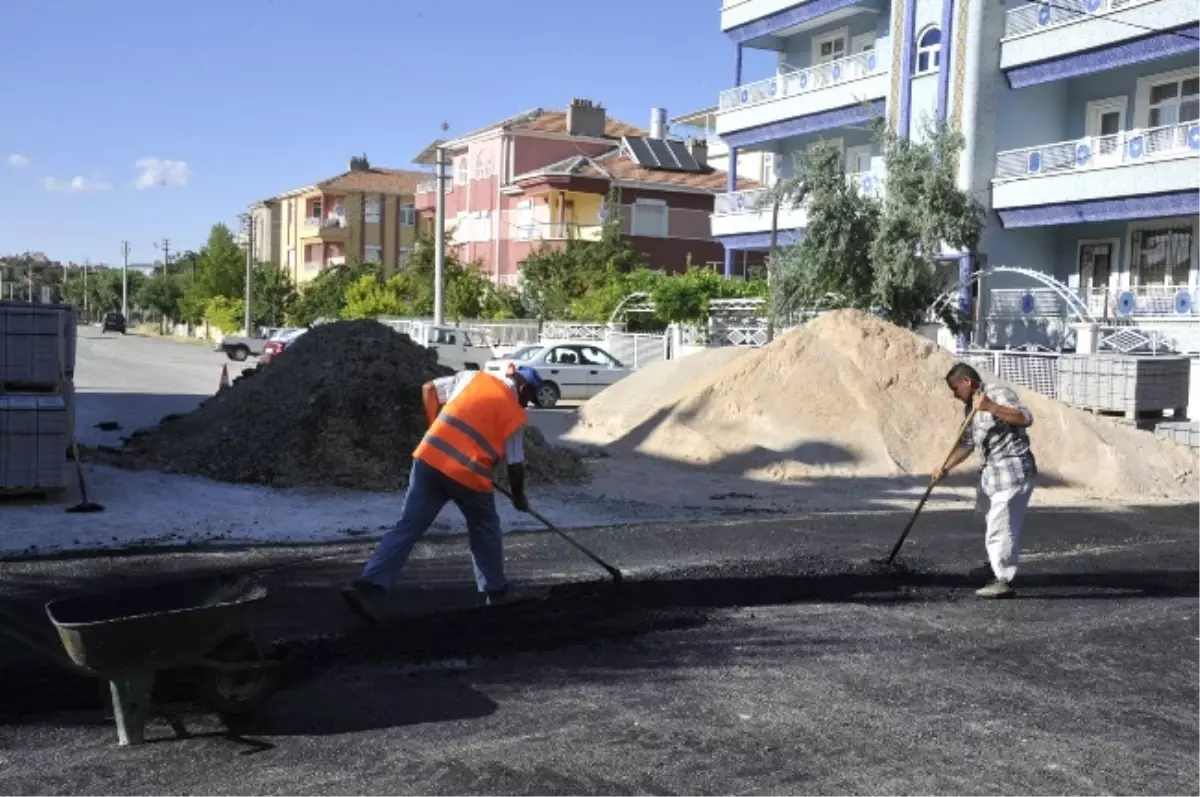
473 417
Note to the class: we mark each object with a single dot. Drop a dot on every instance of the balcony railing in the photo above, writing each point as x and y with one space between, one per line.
556 231
1143 301
1035 16
756 200
430 186
328 221
792 82
1130 146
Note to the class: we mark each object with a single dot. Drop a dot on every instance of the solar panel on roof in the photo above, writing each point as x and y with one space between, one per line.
662 153
683 156
640 151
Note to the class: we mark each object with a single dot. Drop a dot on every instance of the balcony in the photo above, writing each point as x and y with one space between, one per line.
1036 32
1129 163
556 231
743 212
329 228
802 92
778 19
430 186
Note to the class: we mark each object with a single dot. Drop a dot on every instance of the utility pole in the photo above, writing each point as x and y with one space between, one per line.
249 261
165 246
86 263
125 279
439 237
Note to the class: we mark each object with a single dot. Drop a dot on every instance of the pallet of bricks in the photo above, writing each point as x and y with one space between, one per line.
1150 392
37 367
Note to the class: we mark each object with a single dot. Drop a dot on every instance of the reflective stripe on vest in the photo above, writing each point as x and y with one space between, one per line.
465 440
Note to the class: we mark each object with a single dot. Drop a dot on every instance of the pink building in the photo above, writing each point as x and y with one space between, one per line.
543 176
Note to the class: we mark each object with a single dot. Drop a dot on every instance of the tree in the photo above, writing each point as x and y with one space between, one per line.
225 314
878 256
466 291
367 297
325 296
160 293
833 260
272 295
924 213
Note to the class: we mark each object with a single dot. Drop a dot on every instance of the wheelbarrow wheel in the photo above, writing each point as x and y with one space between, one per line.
242 691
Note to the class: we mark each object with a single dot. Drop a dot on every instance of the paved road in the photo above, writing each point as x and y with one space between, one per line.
751 658
136 380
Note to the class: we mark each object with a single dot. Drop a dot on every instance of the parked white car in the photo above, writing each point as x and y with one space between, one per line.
456 347
571 371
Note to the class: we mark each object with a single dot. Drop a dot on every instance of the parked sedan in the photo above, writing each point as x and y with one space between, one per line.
571 371
276 345
113 322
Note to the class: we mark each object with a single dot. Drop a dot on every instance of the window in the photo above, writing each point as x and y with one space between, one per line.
650 218
1174 101
483 226
314 209
372 254
929 50
482 167
594 356
408 216
525 220
1162 254
402 256
462 172
858 159
371 211
829 47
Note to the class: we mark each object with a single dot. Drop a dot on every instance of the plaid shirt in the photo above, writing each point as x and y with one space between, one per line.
1003 448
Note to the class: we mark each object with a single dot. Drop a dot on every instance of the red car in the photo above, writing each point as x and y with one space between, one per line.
276 346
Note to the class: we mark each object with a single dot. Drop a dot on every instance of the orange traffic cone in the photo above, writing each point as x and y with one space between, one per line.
224 378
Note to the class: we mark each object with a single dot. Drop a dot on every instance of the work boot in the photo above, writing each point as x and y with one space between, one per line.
996 589
508 594
363 598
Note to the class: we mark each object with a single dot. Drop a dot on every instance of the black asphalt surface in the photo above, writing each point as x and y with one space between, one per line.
765 656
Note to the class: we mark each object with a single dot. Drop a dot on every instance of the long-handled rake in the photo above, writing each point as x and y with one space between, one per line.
612 571
929 489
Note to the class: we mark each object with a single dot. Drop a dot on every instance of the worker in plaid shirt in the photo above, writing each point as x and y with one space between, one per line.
998 433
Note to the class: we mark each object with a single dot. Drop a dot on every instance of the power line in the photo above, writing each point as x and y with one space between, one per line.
1074 12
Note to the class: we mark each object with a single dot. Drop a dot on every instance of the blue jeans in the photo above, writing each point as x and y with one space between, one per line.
428 491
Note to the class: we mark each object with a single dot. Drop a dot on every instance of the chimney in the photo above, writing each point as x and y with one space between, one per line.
359 163
585 118
699 149
658 123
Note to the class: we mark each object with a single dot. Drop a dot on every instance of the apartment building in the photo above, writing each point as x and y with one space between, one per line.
545 176
265 226
1081 121
366 213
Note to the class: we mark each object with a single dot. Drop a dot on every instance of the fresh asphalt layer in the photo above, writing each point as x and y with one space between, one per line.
765 656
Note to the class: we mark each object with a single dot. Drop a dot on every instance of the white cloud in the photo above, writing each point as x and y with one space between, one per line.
165 173
76 185
18 160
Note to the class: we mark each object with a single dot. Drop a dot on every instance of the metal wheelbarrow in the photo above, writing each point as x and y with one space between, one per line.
126 636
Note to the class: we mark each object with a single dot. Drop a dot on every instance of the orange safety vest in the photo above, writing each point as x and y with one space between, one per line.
466 439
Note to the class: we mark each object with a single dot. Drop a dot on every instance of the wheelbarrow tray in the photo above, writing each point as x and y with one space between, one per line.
155 627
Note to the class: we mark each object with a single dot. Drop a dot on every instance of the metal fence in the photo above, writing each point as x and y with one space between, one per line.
1035 370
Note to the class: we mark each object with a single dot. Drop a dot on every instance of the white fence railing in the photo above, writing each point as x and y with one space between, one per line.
1128 146
430 186
1031 17
791 82
1143 301
1037 371
755 200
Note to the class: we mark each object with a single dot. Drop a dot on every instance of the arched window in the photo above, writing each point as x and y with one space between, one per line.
929 50
481 167
464 172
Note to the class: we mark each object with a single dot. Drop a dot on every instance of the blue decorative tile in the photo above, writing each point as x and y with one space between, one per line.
1154 206
801 125
798 14
1154 47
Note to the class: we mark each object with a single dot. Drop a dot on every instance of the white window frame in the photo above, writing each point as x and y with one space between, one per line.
462 170
1114 267
1141 104
1094 113
862 43
403 255
635 227
524 226
372 210
1127 280
372 253
851 152
408 215
935 60
831 36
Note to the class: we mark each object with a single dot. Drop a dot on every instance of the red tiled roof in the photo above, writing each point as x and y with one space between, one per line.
385 181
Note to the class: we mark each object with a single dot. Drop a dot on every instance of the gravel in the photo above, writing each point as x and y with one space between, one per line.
342 408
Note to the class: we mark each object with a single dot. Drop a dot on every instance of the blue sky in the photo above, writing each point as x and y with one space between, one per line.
145 119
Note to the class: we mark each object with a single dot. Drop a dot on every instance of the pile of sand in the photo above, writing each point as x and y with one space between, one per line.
850 394
341 408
